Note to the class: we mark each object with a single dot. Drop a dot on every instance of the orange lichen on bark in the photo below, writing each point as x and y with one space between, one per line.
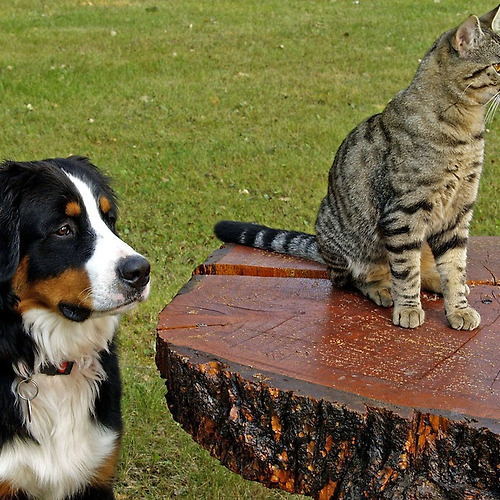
343 454
212 368
328 491
385 476
233 414
284 478
276 425
425 429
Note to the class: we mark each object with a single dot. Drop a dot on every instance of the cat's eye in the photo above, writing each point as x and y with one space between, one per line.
496 67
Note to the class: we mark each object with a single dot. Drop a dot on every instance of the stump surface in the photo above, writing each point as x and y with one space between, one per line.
311 389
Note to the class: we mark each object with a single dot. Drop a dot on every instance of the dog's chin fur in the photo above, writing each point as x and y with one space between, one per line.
65 278
58 339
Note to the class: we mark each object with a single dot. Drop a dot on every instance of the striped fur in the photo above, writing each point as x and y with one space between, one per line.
403 184
276 240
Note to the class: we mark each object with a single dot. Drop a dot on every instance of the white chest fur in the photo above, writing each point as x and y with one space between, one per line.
70 446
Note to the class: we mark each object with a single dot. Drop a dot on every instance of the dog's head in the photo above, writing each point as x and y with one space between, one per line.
59 251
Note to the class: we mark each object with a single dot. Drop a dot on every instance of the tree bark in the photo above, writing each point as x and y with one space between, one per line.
296 395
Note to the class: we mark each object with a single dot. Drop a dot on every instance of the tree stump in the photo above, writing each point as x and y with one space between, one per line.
311 389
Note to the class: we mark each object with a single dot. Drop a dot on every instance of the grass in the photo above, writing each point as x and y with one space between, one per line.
203 110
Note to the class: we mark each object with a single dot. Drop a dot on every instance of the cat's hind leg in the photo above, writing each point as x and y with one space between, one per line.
338 272
376 285
431 281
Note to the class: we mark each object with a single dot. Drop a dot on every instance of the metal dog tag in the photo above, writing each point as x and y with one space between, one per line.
27 390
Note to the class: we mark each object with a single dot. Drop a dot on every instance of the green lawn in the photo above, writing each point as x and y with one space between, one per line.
203 110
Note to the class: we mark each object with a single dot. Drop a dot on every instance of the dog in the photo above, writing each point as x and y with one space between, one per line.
65 278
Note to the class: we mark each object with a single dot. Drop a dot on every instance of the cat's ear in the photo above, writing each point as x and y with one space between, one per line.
467 36
492 20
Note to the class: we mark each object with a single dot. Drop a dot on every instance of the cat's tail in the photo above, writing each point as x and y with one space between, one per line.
291 243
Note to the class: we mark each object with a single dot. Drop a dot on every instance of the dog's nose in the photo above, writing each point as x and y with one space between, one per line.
134 271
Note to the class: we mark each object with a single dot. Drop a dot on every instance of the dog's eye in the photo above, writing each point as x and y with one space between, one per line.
64 230
496 66
111 221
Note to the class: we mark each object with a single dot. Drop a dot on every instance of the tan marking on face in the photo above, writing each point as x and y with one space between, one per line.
106 473
104 204
72 286
73 209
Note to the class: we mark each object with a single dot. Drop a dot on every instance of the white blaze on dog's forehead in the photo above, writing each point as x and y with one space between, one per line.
91 204
101 230
109 249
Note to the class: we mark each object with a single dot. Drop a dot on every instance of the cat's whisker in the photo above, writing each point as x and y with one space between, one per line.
495 105
489 101
492 104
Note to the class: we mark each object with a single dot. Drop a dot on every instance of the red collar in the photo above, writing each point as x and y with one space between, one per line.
63 369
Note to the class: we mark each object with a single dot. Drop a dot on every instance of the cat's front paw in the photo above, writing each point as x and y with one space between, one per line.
464 319
408 317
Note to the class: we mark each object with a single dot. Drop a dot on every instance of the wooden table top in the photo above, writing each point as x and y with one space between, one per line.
237 309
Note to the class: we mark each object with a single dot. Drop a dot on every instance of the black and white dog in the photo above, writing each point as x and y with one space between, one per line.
65 277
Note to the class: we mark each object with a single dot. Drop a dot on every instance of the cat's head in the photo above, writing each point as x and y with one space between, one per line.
473 51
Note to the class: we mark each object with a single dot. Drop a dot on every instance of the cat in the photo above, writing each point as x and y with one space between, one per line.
403 184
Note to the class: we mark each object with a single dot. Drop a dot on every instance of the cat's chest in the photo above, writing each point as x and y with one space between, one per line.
457 187
453 180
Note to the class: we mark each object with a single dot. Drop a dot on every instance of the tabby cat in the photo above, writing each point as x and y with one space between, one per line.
403 185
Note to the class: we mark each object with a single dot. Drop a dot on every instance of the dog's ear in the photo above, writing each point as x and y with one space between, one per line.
9 221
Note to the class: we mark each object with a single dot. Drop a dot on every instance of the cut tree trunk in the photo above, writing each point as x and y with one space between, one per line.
311 389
